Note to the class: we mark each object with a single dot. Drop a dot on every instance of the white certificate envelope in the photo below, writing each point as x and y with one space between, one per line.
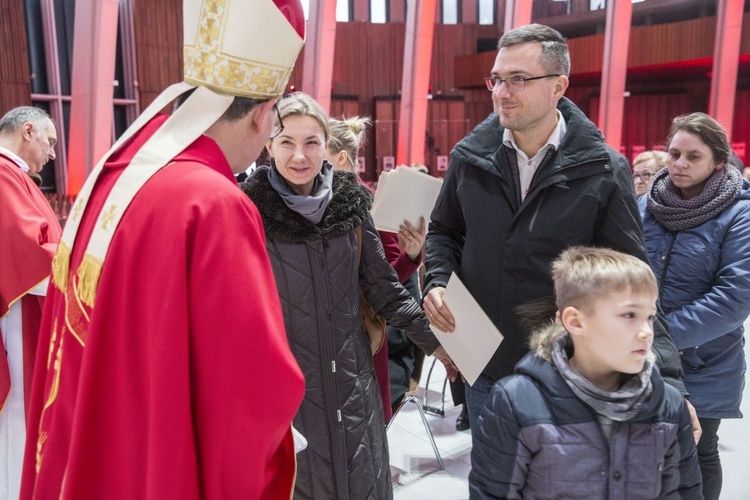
475 338
404 194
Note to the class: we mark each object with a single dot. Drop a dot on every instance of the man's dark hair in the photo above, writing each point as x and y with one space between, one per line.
239 108
555 57
16 117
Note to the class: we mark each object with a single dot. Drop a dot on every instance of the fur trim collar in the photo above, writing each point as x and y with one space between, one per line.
348 208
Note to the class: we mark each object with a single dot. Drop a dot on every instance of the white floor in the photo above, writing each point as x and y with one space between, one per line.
415 468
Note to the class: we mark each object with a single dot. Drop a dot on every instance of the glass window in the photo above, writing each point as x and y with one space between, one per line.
49 28
343 11
486 11
450 11
378 11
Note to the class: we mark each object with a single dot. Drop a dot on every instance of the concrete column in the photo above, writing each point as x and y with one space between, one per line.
517 13
412 125
614 70
92 87
726 62
320 44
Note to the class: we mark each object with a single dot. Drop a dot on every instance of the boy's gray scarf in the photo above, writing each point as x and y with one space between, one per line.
676 214
620 405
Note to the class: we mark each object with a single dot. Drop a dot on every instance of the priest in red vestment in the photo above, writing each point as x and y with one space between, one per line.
163 369
29 233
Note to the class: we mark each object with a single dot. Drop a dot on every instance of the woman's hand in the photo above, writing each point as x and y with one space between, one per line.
412 238
443 357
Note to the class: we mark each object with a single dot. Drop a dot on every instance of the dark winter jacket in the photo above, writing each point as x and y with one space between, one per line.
502 248
536 440
317 278
704 283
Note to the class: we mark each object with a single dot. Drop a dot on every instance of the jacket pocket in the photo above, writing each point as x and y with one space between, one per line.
691 359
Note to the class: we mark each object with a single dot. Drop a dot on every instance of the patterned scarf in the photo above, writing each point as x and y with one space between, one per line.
620 405
676 214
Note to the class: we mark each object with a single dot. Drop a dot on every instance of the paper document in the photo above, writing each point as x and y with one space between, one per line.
475 338
404 194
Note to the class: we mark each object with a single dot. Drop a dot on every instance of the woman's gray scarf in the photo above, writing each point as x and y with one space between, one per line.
312 207
676 214
620 405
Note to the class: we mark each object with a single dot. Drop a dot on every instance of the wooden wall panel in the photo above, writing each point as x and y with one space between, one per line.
158 41
15 75
648 118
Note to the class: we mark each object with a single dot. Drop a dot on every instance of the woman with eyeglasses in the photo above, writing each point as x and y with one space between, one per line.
323 247
696 219
645 167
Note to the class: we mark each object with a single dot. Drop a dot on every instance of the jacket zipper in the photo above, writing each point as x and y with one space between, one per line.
666 259
331 392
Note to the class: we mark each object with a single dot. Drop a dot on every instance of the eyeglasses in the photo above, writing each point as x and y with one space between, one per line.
278 128
644 176
514 83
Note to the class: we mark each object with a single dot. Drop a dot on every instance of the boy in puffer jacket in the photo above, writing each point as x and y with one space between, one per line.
585 415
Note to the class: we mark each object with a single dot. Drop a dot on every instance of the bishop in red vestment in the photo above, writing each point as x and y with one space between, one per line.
163 369
29 233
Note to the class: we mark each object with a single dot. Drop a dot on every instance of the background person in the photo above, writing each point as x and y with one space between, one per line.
697 224
645 167
346 137
29 233
153 356
587 392
531 180
312 216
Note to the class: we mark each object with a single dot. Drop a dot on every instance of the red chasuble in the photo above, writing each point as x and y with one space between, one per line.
29 234
179 383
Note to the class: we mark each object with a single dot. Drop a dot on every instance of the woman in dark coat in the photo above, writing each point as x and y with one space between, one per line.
696 219
311 215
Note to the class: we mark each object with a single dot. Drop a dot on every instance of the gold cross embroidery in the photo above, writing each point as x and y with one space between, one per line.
77 209
108 216
264 78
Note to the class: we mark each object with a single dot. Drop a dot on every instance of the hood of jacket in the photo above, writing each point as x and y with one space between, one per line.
583 142
537 364
349 207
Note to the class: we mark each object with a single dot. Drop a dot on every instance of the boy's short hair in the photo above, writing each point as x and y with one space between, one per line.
581 274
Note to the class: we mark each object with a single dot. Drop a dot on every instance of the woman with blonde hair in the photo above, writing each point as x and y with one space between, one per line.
323 247
645 167
346 138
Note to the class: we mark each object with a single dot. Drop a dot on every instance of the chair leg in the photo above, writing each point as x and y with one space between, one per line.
433 409
415 400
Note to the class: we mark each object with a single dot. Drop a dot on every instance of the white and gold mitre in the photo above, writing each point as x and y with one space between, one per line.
242 47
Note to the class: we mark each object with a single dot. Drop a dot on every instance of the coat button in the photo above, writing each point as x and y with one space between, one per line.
616 476
663 258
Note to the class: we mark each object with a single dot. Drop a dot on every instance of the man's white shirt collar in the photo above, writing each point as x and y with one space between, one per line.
553 140
15 158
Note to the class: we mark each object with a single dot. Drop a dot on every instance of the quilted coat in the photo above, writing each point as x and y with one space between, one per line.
317 277
537 440
704 283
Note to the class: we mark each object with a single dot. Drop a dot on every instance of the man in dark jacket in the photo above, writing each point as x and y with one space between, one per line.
531 180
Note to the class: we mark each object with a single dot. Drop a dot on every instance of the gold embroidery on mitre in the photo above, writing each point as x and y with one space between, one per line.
208 66
88 278
108 216
60 266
